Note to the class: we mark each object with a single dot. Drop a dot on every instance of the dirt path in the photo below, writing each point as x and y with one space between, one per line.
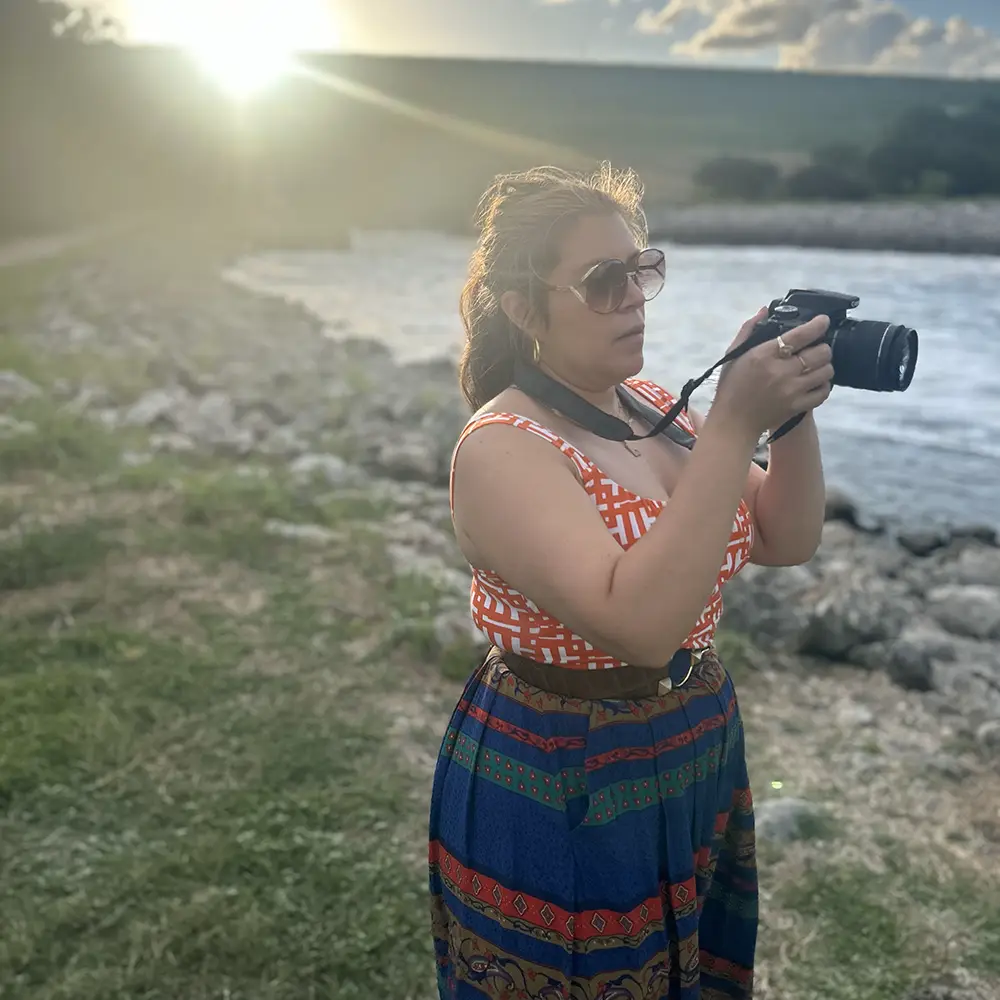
33 249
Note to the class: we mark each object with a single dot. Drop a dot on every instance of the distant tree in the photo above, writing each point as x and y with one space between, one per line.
31 27
909 148
84 21
738 177
842 156
826 182
957 151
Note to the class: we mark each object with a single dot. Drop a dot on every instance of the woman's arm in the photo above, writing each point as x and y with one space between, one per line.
788 501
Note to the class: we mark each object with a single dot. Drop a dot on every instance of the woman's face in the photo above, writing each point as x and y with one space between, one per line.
591 350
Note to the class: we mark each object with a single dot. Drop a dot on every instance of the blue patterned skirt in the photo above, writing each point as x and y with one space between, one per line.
593 850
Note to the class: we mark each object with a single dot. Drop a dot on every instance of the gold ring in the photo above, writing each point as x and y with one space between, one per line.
784 351
805 367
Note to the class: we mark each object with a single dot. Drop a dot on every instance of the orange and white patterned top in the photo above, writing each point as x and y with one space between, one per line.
514 623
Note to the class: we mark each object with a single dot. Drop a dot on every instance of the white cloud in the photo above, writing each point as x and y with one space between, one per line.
857 35
678 12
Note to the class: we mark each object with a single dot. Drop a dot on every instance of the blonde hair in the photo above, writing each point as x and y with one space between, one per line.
521 219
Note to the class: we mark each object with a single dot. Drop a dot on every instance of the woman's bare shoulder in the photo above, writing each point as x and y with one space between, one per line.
513 400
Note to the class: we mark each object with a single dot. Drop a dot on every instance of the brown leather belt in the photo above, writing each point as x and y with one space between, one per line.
604 684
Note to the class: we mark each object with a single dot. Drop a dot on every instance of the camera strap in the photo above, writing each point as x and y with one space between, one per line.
553 394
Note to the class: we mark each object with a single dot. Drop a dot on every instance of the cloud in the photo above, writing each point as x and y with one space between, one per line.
857 35
678 12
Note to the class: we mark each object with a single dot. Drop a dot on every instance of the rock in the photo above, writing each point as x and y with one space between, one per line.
983 533
971 682
15 388
841 507
416 547
283 441
155 406
922 542
331 468
977 565
988 735
11 428
257 423
411 455
928 638
171 442
769 603
908 659
911 665
967 609
301 532
854 715
853 610
781 821
408 560
211 421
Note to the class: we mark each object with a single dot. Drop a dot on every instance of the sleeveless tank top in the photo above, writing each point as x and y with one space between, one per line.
514 623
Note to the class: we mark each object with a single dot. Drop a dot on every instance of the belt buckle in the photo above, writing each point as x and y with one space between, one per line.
666 685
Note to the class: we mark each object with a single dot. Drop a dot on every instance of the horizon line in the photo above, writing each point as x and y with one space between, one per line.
577 62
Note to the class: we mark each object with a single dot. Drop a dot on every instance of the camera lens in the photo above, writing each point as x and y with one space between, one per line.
900 358
868 354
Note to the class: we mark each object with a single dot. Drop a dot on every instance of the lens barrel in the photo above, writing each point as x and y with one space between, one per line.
869 354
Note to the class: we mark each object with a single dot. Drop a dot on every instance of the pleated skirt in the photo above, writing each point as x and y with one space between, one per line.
593 849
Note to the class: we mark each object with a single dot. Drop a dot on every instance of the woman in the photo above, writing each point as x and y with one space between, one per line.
591 829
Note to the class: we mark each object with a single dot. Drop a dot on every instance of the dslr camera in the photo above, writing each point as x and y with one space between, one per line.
867 353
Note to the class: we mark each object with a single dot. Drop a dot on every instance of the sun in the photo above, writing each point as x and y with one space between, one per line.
241 67
243 45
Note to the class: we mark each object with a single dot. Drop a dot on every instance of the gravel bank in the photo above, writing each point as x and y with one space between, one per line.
955 227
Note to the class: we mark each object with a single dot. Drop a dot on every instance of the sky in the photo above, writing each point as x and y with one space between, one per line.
927 37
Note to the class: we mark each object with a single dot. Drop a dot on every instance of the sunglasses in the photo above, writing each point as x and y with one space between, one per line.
604 286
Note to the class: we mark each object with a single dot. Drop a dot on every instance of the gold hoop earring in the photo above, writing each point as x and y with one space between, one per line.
536 351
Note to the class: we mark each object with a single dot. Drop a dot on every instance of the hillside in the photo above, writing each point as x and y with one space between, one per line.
101 131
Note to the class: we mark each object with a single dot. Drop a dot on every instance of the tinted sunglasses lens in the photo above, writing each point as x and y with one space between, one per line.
605 286
651 269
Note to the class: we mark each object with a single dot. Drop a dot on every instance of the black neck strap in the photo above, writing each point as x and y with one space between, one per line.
551 393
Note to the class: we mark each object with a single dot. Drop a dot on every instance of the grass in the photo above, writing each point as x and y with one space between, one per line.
216 746
878 935
191 812
61 442
43 556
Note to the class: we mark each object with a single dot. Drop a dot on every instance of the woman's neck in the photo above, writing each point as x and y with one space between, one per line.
603 397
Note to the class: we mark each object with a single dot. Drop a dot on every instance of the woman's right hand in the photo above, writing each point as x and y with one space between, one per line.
762 389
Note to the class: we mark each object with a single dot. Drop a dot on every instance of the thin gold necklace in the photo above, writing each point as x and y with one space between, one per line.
625 416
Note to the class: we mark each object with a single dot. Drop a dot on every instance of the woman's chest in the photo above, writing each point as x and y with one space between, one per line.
649 468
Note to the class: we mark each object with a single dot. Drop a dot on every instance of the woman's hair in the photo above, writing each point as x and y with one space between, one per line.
521 219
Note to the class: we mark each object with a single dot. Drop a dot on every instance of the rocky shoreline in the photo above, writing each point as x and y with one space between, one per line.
950 226
226 373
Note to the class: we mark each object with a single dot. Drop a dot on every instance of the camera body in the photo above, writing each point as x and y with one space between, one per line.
867 354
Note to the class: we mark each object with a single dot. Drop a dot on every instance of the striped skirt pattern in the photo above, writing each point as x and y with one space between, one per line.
593 850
